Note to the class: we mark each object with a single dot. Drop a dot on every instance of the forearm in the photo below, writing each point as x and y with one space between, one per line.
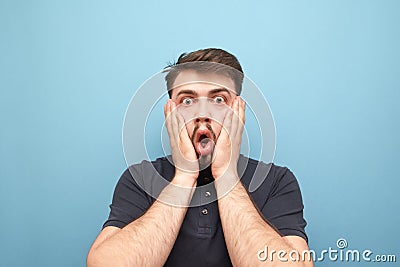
246 232
148 240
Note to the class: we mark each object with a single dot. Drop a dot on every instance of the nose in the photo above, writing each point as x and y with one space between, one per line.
203 119
203 111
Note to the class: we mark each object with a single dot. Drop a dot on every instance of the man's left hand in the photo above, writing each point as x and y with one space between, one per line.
227 147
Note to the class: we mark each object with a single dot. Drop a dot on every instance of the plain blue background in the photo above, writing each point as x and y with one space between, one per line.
330 71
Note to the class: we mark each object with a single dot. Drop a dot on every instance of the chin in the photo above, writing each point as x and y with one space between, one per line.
205 161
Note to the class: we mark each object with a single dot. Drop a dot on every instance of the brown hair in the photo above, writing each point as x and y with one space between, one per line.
205 62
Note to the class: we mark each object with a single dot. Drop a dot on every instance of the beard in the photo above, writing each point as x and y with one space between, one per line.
204 160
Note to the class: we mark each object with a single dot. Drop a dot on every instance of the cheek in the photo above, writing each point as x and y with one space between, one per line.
189 129
217 129
187 115
189 122
218 118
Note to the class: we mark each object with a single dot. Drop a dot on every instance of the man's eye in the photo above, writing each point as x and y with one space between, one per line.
219 100
187 101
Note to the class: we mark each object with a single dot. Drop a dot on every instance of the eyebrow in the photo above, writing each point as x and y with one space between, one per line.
212 92
220 90
187 92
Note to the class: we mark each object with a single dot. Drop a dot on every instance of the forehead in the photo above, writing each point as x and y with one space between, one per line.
202 83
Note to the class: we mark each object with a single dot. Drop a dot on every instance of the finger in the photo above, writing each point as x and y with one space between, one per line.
182 127
165 108
167 113
242 111
235 118
226 125
227 122
174 120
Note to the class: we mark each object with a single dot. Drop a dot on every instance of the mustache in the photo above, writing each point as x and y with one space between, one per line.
196 128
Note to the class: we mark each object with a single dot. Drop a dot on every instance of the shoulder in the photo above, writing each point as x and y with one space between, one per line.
258 175
161 166
149 176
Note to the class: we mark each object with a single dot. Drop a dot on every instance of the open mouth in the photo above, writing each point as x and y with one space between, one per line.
204 140
204 143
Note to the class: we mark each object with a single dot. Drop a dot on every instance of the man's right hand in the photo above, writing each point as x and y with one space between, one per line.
183 153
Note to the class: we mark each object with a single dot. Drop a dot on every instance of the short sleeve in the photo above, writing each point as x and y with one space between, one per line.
129 200
284 207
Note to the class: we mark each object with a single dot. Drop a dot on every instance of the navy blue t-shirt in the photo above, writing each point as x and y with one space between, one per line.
200 241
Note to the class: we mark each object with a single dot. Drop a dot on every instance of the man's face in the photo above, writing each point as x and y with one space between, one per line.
203 100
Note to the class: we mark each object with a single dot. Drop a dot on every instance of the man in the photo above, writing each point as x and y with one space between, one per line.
182 227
